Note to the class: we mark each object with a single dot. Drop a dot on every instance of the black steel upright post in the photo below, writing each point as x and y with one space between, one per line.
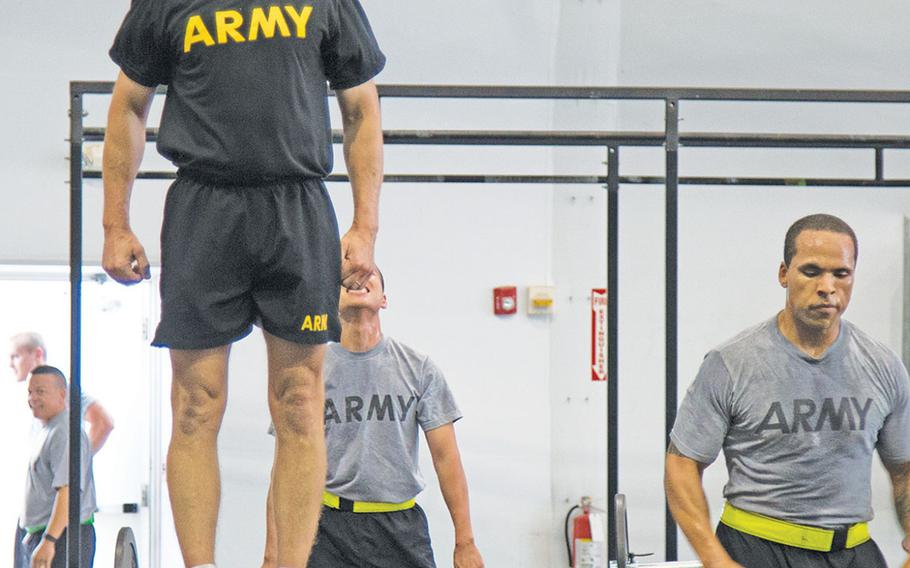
73 544
671 240
612 344
879 164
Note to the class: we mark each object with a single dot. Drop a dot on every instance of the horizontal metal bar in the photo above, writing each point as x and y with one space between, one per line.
603 138
771 181
478 137
600 93
91 87
582 179
421 178
772 140
482 178
642 93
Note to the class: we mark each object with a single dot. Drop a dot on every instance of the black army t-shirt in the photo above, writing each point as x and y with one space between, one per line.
247 79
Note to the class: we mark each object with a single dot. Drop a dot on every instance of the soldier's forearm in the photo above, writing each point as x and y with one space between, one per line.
363 151
124 144
900 480
689 506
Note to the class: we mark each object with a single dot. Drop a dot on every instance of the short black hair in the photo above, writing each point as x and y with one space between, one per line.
817 222
49 370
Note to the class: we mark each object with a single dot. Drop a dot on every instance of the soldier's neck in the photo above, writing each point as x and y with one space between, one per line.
361 331
811 341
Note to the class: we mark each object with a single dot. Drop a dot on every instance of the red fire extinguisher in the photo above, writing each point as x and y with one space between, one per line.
581 533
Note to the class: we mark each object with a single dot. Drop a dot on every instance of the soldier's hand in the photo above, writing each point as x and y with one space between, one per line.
44 555
124 257
467 556
357 257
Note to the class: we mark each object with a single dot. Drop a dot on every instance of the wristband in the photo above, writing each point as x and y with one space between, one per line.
50 538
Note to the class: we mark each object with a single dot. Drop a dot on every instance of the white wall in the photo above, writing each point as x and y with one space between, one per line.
45 45
587 53
813 44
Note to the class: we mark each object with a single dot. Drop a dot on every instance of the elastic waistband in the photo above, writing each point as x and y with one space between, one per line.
792 534
239 180
342 504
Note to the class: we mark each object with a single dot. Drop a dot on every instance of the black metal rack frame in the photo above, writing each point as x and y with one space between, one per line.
671 139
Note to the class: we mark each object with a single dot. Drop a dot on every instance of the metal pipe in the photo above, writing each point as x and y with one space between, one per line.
879 163
602 138
423 178
73 536
600 93
671 283
612 342
600 180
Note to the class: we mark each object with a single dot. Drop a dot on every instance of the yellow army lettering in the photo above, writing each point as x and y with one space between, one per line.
228 24
315 323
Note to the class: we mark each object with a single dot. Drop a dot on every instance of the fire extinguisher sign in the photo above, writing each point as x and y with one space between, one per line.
599 334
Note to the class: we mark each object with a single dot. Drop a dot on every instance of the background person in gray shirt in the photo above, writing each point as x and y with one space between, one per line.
797 404
27 350
379 395
45 511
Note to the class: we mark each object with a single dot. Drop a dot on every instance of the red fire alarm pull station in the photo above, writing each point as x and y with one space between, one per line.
505 300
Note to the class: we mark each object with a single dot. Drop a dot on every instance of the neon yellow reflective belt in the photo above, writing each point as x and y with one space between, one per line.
791 534
336 502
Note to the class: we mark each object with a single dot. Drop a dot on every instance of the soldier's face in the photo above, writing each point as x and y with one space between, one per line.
819 280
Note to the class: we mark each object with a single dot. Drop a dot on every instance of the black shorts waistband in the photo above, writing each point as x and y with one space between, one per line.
243 181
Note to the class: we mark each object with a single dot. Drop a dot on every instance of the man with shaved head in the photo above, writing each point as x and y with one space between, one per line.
45 509
798 404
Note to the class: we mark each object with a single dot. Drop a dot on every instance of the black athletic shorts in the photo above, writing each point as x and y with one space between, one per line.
232 256
754 552
400 539
23 558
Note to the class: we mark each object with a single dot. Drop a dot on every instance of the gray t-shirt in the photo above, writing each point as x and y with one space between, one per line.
798 432
376 402
87 400
49 470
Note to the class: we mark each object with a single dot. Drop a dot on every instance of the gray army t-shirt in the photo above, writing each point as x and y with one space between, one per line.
376 404
49 470
797 432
